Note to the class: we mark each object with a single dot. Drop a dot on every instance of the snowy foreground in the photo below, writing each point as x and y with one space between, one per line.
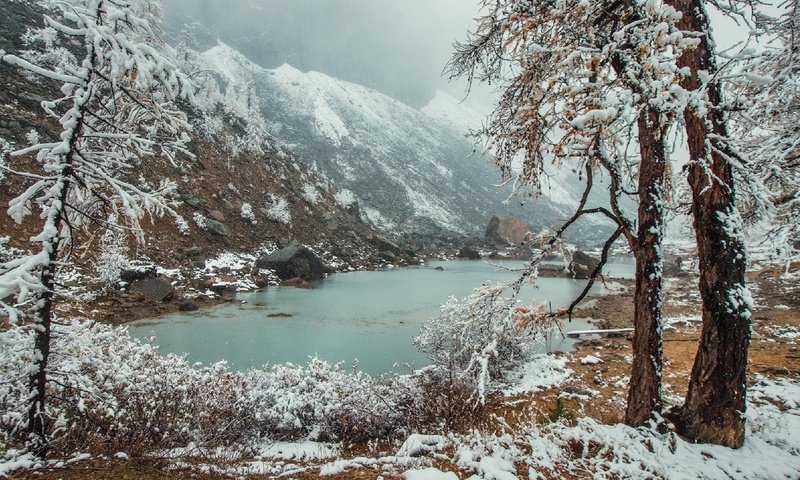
108 386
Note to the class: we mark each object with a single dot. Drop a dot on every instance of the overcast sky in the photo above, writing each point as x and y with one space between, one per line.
396 47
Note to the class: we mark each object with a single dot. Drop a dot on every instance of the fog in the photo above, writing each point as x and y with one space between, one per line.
396 47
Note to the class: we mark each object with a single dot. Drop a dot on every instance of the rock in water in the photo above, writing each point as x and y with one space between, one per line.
582 265
506 230
187 306
469 253
294 261
155 289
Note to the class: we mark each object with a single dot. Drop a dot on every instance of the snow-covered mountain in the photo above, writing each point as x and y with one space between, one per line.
409 169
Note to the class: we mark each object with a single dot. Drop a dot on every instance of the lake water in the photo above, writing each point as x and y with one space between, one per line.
368 317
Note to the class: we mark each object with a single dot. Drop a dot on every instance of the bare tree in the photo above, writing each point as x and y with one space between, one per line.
115 111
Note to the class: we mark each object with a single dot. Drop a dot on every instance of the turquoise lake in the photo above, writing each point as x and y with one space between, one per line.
364 317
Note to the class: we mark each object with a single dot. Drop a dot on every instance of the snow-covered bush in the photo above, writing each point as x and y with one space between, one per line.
5 149
247 213
278 210
345 198
200 220
309 193
475 340
113 393
113 259
321 401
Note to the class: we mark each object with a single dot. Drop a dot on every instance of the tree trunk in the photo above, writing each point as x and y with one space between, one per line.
715 402
37 421
644 394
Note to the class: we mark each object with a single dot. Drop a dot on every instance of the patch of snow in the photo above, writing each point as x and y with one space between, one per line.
328 123
299 451
685 320
429 474
543 371
590 360
417 444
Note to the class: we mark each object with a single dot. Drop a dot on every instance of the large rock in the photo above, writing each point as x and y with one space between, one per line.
217 228
294 261
155 289
582 265
506 230
382 244
469 253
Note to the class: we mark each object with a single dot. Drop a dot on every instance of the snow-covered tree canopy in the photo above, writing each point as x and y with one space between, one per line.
574 76
115 110
765 83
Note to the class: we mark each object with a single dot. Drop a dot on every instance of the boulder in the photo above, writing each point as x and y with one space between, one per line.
387 255
216 215
469 253
331 221
194 202
187 306
133 274
506 230
217 228
382 244
296 283
672 265
582 265
294 261
155 289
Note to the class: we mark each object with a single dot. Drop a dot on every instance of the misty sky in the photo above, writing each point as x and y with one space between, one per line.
396 47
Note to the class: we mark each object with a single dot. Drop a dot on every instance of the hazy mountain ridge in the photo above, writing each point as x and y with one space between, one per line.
410 169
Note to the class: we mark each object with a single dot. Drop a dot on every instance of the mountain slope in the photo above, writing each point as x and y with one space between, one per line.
410 170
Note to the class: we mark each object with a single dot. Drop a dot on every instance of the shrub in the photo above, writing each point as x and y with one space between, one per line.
475 340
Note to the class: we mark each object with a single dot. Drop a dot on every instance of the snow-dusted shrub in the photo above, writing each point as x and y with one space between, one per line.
475 339
247 213
319 400
200 220
309 193
113 259
278 210
5 149
345 198
113 393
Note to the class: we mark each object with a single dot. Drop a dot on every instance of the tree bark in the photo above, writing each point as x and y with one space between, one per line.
37 419
715 402
644 392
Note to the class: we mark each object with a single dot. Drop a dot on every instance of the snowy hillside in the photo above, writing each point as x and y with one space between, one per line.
410 170
453 113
